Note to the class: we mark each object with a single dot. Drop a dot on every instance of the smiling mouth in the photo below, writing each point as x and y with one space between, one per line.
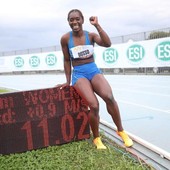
75 27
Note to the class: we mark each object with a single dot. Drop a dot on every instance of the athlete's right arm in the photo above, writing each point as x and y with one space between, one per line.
67 61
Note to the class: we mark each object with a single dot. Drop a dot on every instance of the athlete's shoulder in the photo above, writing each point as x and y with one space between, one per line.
65 37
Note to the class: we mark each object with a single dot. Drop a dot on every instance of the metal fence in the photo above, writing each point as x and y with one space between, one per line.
115 40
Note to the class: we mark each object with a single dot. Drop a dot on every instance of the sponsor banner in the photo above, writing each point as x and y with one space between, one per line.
39 61
33 62
5 65
150 53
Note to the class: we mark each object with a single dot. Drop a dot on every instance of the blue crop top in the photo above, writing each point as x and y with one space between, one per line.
81 51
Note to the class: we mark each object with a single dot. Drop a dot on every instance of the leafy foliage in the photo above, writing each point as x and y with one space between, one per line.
158 34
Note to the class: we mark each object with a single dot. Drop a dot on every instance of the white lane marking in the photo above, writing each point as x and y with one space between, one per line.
142 92
139 85
144 106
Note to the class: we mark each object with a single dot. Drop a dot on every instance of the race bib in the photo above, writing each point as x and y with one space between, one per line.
82 51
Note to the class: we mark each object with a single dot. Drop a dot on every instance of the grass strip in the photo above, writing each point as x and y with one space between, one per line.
3 90
81 155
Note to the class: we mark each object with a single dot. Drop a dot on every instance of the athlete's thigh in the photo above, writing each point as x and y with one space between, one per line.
84 88
101 85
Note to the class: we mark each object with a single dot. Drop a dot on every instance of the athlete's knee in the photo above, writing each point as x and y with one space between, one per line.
108 98
94 107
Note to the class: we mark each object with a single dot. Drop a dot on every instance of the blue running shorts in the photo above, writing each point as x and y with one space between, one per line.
87 71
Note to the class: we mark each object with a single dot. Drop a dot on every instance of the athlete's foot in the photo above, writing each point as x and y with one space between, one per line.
97 141
127 141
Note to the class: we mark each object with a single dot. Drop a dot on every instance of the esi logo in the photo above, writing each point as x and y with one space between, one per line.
19 62
110 56
135 53
51 60
34 61
162 51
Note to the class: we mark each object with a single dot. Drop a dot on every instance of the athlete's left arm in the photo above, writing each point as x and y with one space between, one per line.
102 39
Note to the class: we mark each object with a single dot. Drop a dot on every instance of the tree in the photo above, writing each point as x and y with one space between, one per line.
158 34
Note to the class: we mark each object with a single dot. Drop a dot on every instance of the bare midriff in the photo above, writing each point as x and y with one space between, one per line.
83 61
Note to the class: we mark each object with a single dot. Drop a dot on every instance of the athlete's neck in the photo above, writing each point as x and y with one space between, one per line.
78 33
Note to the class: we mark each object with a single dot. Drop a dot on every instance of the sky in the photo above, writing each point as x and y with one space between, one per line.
29 24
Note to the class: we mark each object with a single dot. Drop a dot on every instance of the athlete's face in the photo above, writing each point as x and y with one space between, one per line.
75 21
